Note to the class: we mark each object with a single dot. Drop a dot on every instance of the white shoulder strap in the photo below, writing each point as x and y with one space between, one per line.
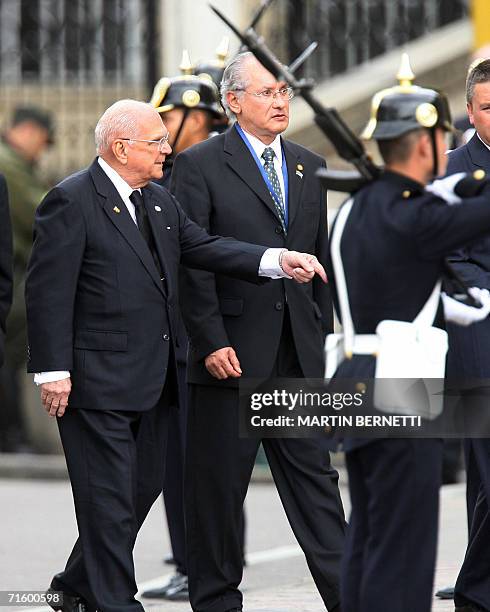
340 282
426 316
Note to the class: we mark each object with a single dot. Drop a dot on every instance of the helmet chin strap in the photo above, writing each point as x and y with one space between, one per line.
435 162
179 131
181 127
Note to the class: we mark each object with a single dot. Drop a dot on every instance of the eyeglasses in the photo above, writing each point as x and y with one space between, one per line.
285 93
161 143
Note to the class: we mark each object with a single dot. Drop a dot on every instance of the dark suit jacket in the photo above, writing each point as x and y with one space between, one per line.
221 188
5 263
393 249
95 302
469 346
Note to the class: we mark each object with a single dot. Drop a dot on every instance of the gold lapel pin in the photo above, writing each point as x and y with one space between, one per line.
116 209
299 167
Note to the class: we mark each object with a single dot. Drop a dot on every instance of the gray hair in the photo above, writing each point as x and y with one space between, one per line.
479 72
234 79
121 120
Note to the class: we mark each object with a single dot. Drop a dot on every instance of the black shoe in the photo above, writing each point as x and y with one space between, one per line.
178 592
71 601
445 593
178 582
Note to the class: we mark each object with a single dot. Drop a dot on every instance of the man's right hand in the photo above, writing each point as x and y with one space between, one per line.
223 363
54 396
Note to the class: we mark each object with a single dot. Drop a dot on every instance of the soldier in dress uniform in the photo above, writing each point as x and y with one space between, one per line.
393 247
189 106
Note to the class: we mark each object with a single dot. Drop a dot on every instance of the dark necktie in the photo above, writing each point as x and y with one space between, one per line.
144 225
142 217
268 157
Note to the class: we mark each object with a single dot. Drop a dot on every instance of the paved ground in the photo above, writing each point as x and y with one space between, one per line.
38 529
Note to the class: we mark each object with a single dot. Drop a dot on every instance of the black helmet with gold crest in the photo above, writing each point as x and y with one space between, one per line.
213 69
406 107
186 91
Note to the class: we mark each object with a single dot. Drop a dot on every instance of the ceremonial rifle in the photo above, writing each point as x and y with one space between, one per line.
345 142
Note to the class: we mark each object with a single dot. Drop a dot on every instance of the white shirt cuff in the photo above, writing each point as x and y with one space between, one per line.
47 377
269 264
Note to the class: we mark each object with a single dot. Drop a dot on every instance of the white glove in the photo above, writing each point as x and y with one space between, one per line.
462 314
444 188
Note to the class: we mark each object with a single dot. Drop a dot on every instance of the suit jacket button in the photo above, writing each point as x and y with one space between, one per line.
166 337
278 229
278 305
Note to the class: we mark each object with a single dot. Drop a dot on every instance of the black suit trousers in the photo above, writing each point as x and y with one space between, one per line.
173 491
116 463
392 536
473 583
218 469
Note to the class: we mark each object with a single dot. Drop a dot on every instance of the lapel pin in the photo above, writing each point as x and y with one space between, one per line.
299 168
300 174
116 209
158 209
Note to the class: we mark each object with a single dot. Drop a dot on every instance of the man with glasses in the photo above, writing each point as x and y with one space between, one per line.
251 184
101 296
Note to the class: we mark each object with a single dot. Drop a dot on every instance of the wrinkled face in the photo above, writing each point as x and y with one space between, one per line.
145 159
479 111
263 117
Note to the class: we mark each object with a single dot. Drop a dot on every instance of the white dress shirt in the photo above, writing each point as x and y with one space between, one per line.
123 189
269 263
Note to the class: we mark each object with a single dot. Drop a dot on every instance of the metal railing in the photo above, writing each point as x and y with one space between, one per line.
77 41
351 32
74 58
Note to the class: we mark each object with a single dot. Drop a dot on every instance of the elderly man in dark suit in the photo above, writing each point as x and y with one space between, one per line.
468 353
101 305
252 184
5 263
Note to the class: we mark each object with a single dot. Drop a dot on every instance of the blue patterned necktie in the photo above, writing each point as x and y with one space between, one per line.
268 157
